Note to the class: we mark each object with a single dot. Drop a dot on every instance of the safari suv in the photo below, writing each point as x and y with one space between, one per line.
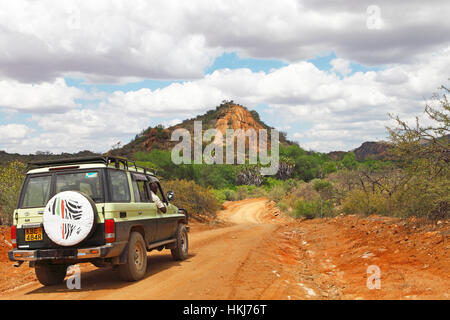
94 209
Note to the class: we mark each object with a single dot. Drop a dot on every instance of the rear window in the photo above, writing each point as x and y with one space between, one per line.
37 192
86 182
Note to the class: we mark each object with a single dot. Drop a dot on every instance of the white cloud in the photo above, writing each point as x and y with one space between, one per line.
115 41
43 97
12 135
170 123
341 66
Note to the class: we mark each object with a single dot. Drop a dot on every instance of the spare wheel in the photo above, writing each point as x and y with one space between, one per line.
69 218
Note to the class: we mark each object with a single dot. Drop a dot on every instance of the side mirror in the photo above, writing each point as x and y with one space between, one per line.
169 195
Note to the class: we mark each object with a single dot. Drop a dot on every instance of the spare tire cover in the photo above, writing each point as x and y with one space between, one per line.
69 218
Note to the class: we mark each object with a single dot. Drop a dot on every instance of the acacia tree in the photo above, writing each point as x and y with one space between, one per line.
424 152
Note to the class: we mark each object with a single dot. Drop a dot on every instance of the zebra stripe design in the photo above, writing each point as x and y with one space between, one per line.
68 210
69 218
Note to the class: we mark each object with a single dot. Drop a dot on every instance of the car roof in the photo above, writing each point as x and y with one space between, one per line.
105 161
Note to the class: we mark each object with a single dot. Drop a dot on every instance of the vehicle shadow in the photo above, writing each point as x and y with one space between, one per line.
109 278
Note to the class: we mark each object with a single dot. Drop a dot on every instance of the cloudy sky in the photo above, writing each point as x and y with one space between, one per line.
77 75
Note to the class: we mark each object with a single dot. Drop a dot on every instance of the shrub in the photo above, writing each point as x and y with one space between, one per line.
220 195
11 178
277 193
282 205
230 195
306 209
358 202
242 192
196 199
313 208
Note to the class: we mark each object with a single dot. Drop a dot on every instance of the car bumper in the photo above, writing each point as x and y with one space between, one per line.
105 251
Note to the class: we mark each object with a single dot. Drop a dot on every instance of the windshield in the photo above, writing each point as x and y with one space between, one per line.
37 190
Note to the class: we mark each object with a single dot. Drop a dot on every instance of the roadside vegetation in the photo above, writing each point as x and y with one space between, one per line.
11 177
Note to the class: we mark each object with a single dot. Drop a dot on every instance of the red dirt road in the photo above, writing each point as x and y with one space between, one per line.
257 253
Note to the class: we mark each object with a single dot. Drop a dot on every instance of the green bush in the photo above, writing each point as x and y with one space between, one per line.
11 178
359 202
282 205
312 208
196 199
277 193
230 195
306 209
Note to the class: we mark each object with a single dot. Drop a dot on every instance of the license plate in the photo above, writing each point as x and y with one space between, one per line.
33 234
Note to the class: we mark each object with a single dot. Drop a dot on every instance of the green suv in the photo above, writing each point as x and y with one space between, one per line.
104 210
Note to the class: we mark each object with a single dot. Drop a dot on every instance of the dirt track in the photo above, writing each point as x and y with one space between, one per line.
259 254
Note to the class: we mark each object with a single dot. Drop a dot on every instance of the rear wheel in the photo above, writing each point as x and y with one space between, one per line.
50 274
136 266
181 251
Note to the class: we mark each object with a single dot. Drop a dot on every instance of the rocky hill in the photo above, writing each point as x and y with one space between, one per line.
372 150
228 115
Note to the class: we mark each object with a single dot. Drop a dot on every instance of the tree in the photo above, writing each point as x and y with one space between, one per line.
423 152
325 190
429 144
349 161
285 168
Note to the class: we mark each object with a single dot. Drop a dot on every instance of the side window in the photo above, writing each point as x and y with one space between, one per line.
120 191
137 196
140 191
143 191
158 191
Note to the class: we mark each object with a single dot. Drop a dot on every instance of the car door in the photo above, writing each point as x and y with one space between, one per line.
147 209
120 205
168 221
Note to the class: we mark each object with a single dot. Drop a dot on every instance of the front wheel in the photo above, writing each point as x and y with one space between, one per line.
136 266
181 250
50 274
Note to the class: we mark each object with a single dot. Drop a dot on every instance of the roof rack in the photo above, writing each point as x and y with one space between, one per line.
105 159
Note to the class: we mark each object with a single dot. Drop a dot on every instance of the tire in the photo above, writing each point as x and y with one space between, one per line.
136 266
50 274
70 217
182 248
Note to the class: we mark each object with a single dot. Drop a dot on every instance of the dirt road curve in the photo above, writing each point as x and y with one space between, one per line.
259 254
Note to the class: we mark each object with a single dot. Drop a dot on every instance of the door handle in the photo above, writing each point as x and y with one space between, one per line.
139 212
